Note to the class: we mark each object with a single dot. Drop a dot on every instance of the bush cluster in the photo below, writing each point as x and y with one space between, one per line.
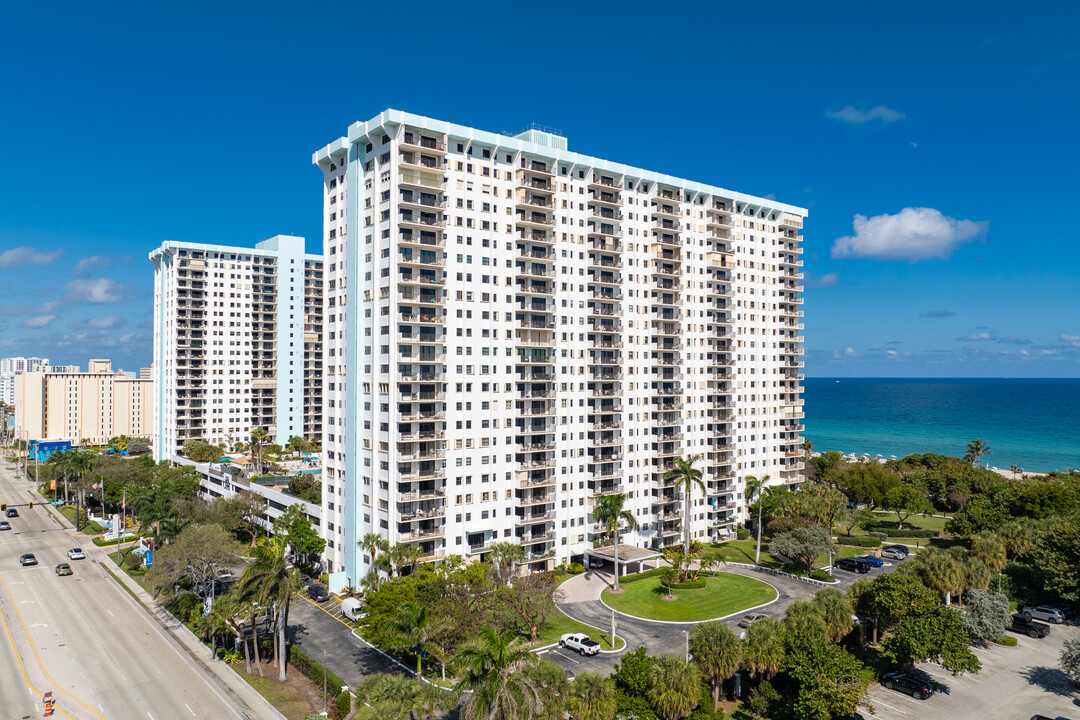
858 541
313 671
634 577
575 568
1006 640
742 533
822 576
691 585
912 533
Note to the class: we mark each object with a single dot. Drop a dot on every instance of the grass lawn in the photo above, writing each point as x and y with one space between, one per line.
742 551
559 624
69 512
723 594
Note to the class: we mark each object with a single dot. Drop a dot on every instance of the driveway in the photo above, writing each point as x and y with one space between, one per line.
317 627
1014 683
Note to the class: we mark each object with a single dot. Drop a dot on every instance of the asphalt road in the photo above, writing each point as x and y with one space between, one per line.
1014 684
82 636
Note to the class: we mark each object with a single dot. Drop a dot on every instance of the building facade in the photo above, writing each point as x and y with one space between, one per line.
237 342
9 367
514 329
84 408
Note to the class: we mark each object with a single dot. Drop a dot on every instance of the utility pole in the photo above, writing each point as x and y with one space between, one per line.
324 679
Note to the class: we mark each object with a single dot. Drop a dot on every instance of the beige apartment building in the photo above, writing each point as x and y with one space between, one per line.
83 407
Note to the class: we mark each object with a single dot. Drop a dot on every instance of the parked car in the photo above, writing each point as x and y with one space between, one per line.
748 620
874 561
12 512
893 554
5 525
27 559
852 564
76 554
579 642
63 569
913 685
1023 626
351 609
1044 612
219 588
318 592
899 548
1066 611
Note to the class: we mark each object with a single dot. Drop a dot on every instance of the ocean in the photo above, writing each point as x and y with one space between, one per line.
1033 423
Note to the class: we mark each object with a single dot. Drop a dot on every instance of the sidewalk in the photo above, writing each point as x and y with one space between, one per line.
584 587
245 699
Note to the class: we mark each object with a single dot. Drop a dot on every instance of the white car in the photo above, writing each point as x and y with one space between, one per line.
893 554
76 554
580 642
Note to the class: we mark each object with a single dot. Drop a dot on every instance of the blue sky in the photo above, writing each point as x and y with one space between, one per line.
933 143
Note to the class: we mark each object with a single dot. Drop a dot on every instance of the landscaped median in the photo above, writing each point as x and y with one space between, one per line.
723 594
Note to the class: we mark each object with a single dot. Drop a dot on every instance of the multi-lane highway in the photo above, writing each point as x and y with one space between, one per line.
83 637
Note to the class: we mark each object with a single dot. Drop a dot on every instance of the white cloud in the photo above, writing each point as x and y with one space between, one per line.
96 292
826 280
16 309
93 262
106 323
1073 340
858 116
976 337
912 234
24 256
40 321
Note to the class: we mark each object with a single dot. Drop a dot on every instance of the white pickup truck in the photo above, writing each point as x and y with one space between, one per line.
579 642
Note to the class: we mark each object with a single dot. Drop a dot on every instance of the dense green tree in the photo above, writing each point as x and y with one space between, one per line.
802 620
417 630
935 635
939 571
821 468
980 514
763 650
864 483
828 681
193 556
504 558
905 501
1055 558
1042 500
272 579
493 666
391 696
553 689
673 690
986 615
835 610
889 598
717 652
803 545
200 451
1017 537
686 477
1070 659
304 540
591 696
631 681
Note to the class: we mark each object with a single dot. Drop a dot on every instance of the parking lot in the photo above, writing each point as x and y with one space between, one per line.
1014 683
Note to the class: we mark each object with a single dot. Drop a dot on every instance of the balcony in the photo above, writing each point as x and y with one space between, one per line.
604 183
422 142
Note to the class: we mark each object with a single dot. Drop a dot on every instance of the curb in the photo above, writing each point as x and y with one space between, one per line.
545 648
698 622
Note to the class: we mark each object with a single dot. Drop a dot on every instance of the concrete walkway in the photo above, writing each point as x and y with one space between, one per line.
245 699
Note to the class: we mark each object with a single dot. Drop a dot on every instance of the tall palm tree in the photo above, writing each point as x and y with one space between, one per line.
391 696
941 572
1017 537
763 651
674 687
592 697
551 685
296 444
416 630
753 489
975 450
493 666
431 700
374 543
717 652
990 551
78 463
1015 469
835 609
802 619
271 578
687 477
404 555
259 439
609 511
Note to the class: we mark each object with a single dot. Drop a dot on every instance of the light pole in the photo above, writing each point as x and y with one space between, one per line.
687 634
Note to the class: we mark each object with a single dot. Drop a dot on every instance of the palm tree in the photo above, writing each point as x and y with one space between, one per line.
990 551
415 630
802 619
1017 537
404 555
717 652
941 572
431 700
78 463
551 685
753 489
59 461
592 697
763 651
609 511
271 578
259 438
493 667
296 444
835 609
975 450
674 687
392 696
374 544
1015 469
687 477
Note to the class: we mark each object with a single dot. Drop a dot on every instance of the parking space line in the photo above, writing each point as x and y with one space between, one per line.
320 607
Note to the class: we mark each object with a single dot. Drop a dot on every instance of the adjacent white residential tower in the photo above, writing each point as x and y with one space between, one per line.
513 329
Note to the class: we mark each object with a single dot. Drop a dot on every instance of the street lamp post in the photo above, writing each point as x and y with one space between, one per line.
687 634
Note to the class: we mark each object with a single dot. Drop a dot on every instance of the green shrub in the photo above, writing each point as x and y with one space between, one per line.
324 579
691 585
913 533
634 577
879 535
858 541
1006 640
822 576
313 671
575 568
742 533
794 569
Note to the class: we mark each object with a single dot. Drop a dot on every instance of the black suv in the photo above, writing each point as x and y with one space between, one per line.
12 512
853 564
1022 625
318 592
913 685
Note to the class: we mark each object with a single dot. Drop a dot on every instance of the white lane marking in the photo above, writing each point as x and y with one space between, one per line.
158 669
39 625
110 612
151 716
190 710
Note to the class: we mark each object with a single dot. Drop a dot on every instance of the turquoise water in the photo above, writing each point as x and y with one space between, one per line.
1033 423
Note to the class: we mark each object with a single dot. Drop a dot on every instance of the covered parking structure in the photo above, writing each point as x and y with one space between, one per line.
631 557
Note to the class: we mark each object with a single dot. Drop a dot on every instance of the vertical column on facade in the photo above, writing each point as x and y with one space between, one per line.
791 326
191 344
666 256
420 324
313 348
264 341
605 359
534 402
719 461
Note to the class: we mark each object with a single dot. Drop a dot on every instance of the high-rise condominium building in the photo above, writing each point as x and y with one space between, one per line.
514 329
237 342
82 407
10 366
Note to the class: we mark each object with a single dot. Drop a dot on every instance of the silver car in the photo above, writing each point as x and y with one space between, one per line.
893 554
1044 613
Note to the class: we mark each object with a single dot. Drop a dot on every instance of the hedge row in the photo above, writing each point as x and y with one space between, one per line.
692 585
1006 640
634 577
313 671
912 533
822 576
858 541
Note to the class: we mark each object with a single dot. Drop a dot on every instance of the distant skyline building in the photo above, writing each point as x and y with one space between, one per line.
11 365
82 407
514 329
237 342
